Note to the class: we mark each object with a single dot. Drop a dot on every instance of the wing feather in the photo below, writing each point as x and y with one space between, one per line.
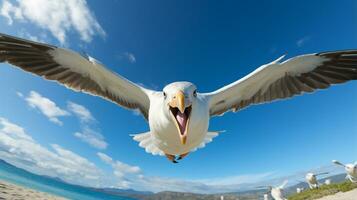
281 80
74 71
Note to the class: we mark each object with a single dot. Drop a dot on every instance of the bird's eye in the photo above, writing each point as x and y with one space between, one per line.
164 94
195 93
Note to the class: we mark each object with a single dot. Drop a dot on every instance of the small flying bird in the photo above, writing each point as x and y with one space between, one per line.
311 179
276 192
179 115
299 190
266 196
328 182
351 170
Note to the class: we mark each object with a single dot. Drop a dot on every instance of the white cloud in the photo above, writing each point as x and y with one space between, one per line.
81 112
133 177
87 134
19 94
58 17
7 10
131 58
25 34
20 149
125 174
301 42
46 107
93 138
120 169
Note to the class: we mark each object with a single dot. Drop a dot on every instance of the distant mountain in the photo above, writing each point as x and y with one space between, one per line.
191 196
121 192
128 191
55 178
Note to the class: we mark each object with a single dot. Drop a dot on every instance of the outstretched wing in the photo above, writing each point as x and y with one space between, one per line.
280 80
323 173
282 186
338 163
74 71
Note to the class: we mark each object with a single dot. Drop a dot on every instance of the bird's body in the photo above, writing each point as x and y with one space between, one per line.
276 192
311 179
351 170
328 182
164 128
266 196
299 190
179 115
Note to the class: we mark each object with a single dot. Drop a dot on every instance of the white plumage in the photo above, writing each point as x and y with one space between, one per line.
311 179
351 170
299 190
179 116
276 192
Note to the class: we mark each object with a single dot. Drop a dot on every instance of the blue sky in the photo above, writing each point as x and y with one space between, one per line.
154 43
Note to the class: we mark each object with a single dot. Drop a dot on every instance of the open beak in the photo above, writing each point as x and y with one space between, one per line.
180 114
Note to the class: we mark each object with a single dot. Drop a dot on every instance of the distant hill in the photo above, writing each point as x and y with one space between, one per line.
121 192
334 179
191 196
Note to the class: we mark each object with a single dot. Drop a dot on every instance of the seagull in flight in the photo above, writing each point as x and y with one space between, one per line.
311 179
179 115
276 192
351 170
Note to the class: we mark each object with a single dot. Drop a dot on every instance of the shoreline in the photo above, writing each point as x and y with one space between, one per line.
12 191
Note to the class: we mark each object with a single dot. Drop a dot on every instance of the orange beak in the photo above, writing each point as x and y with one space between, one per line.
178 101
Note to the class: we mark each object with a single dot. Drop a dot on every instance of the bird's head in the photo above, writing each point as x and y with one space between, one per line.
310 176
351 168
179 98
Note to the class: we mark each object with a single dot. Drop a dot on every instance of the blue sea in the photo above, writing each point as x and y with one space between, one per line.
21 177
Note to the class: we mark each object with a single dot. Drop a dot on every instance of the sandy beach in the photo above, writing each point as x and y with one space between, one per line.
10 191
350 195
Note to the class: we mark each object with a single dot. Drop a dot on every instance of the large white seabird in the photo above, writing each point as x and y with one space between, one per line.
179 115
351 170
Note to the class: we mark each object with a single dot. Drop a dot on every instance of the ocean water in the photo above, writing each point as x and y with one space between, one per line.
21 177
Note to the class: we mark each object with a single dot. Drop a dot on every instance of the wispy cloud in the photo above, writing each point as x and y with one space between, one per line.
27 35
302 41
80 111
129 57
19 148
93 138
133 177
19 94
125 175
46 106
57 17
87 134
120 169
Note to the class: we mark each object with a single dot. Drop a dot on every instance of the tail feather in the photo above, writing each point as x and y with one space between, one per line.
148 142
209 137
